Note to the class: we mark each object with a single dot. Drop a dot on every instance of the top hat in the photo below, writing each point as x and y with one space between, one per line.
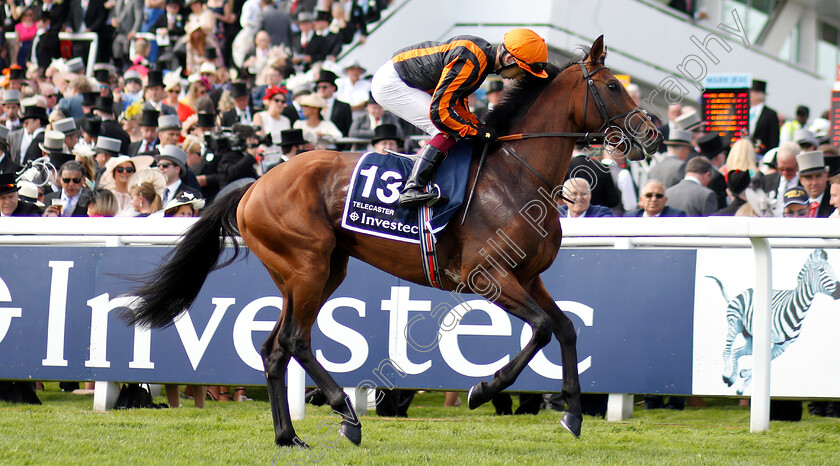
35 111
155 78
75 64
803 136
711 144
305 17
174 154
206 120
66 126
57 159
107 145
322 15
688 121
105 103
679 137
8 183
102 72
833 164
89 99
355 64
326 76
496 85
207 67
149 118
15 72
811 162
211 53
53 142
11 96
737 181
759 85
238 89
132 75
796 195
292 137
169 122
386 131
371 100
91 124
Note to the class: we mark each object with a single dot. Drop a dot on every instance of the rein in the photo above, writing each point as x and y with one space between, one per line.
602 133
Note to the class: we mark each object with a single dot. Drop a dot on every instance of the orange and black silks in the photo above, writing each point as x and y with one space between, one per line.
449 71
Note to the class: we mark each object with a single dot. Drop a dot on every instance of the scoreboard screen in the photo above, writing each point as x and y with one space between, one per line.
834 119
727 112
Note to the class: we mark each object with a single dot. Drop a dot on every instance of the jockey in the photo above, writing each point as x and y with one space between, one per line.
427 84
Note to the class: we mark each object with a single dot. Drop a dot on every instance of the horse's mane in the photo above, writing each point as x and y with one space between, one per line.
519 97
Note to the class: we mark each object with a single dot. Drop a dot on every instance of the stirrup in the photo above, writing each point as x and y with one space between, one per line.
415 198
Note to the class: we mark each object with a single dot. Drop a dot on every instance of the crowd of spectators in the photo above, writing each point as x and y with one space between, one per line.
188 100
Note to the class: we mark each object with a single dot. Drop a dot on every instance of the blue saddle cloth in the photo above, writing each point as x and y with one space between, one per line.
372 205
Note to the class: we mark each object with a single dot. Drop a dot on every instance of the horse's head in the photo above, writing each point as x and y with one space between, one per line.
823 274
603 105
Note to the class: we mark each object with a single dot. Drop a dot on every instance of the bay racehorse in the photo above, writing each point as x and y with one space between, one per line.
291 220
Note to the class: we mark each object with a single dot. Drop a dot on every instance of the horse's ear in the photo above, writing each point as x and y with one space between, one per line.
597 53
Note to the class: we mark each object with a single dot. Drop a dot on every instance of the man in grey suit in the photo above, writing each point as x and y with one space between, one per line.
126 19
667 170
691 194
363 126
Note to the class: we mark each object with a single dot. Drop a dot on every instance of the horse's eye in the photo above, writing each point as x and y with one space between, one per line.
612 86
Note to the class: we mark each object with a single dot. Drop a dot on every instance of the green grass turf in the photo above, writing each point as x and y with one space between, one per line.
65 430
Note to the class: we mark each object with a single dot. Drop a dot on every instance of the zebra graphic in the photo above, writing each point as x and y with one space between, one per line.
787 310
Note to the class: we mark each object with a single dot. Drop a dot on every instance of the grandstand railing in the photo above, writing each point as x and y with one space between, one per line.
762 235
91 37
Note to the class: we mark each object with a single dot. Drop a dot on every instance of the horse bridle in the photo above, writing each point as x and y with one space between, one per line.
602 132
589 137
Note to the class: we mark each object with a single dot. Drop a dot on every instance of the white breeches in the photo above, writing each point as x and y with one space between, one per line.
408 103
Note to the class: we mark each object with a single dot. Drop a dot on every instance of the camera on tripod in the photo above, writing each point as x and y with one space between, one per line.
234 139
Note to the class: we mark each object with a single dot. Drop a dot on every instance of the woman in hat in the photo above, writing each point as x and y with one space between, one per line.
427 84
320 132
195 43
271 120
121 169
184 205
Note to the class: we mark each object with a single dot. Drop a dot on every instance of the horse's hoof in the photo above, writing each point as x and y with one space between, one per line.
572 423
728 381
476 397
295 441
352 432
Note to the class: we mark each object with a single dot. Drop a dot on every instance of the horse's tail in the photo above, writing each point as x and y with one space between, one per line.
722 289
171 289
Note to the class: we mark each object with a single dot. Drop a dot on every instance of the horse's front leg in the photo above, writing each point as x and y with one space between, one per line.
513 299
564 331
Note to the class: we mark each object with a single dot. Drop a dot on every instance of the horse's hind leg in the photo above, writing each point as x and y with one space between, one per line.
276 354
564 331
350 426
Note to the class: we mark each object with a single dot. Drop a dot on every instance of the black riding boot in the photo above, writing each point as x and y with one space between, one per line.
412 194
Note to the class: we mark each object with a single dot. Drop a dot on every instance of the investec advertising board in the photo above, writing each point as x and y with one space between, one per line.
632 310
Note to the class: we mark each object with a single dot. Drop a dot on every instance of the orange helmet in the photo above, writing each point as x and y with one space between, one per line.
529 50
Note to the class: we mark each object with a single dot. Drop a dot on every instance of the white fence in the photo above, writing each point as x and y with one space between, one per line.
732 232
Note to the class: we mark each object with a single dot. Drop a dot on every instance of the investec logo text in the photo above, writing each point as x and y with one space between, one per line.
403 313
